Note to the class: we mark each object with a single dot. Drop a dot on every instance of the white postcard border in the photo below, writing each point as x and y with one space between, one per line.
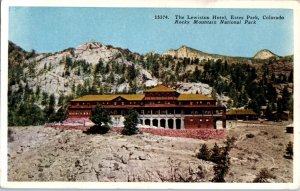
294 5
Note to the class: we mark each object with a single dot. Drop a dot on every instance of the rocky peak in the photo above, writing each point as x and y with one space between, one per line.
264 54
89 46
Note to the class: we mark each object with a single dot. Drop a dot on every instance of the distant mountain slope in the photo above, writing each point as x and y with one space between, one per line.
95 68
264 54
192 53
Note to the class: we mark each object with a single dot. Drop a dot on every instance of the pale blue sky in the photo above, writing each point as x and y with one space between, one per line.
53 29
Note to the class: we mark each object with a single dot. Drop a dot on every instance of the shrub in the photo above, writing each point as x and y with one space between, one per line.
203 153
9 135
250 135
263 176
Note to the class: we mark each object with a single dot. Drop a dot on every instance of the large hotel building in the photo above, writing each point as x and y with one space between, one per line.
157 107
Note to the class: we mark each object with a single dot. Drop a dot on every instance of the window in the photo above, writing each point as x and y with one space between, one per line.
208 103
115 103
122 103
191 103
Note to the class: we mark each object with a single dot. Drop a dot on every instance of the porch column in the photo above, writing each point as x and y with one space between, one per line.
158 123
174 123
167 125
224 119
182 123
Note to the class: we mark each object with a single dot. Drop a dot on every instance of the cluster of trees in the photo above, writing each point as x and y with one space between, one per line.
220 156
102 119
240 81
28 107
79 67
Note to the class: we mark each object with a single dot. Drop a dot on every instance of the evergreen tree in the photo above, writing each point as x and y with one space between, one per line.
60 115
101 118
50 109
130 123
61 100
223 165
254 106
291 77
203 153
196 75
289 150
285 99
215 155
44 99
132 73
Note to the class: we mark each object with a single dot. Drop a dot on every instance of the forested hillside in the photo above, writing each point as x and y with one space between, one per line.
40 85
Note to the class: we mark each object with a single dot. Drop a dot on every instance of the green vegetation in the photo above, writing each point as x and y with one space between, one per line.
215 154
131 122
251 85
219 156
101 118
222 166
263 176
289 151
203 153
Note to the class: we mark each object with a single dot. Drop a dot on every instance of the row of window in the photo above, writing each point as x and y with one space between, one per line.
160 94
150 102
192 120
79 113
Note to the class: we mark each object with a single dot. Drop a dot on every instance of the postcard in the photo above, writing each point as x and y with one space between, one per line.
169 94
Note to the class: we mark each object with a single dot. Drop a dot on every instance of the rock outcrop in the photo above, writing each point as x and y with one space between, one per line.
264 54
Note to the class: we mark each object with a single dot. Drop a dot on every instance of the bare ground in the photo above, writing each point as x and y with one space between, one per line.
46 154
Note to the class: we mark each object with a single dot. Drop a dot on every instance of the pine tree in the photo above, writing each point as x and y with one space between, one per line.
215 155
50 110
291 77
130 123
223 165
203 153
289 150
101 118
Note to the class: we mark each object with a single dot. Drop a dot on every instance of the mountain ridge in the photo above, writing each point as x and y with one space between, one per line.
182 51
34 79
185 51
